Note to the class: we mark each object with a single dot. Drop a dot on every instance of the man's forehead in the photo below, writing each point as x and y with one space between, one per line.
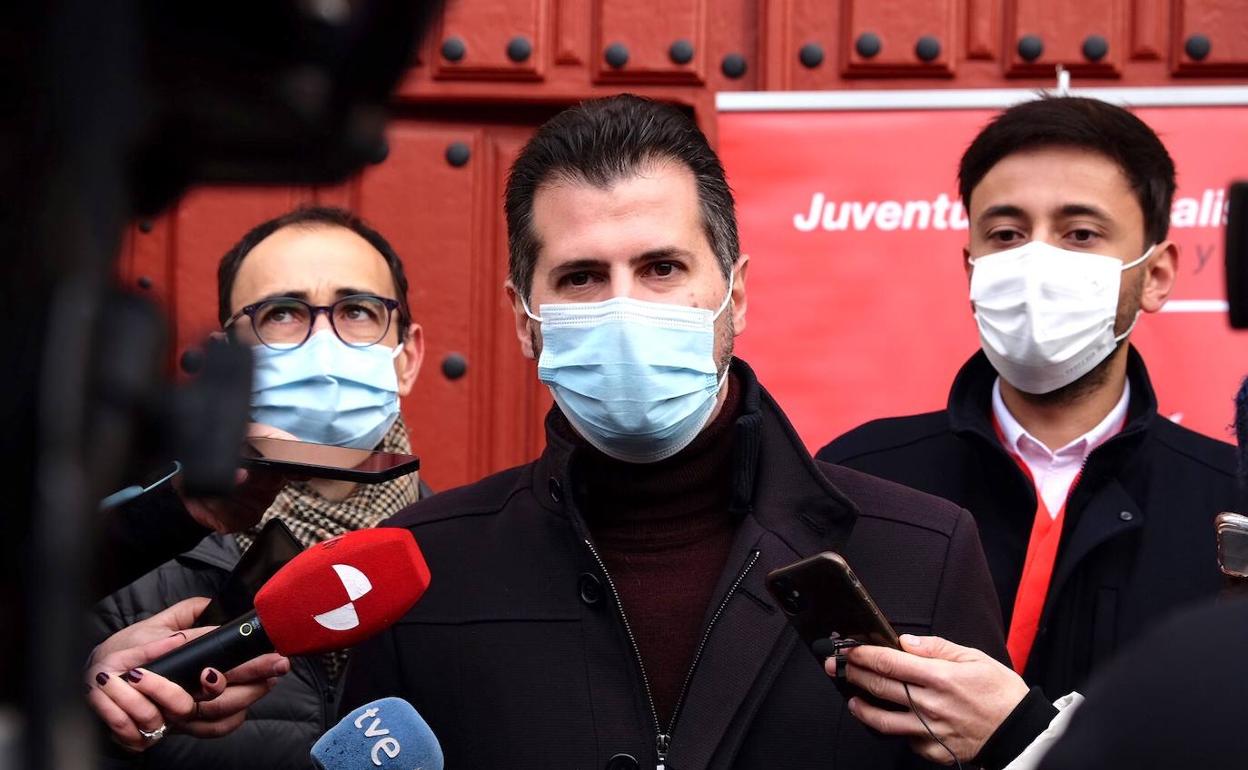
313 261
653 184
572 214
1053 177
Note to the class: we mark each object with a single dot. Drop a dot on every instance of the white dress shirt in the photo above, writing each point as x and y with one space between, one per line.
1055 472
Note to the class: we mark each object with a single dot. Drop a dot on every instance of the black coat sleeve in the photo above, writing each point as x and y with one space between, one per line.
967 611
1173 698
140 535
1030 717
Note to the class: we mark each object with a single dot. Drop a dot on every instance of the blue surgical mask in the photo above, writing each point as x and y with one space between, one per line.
327 392
636 379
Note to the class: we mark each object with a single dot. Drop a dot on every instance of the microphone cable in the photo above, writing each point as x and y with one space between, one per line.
842 664
914 710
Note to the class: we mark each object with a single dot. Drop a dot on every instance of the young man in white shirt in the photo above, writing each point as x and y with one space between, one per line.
1095 512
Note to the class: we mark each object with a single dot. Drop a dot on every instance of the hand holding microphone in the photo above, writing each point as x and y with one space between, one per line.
334 595
386 733
138 706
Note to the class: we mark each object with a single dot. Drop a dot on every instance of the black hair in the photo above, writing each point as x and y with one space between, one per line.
308 217
1073 121
600 142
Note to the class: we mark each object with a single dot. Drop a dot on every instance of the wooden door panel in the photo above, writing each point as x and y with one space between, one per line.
983 29
1150 29
491 40
1210 38
788 27
476 407
144 266
898 38
424 205
573 22
1087 38
734 51
653 38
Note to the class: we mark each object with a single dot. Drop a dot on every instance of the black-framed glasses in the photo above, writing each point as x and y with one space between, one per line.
282 323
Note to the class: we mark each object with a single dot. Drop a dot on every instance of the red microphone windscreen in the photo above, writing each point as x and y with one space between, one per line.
340 592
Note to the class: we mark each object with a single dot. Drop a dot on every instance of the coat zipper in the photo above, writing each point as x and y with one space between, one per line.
697 656
324 689
663 740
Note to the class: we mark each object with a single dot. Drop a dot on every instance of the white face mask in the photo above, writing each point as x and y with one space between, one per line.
1046 315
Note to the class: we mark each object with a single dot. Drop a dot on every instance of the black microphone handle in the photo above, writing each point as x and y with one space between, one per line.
223 648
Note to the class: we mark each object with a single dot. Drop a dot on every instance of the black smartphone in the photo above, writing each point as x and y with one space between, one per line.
300 458
273 547
828 606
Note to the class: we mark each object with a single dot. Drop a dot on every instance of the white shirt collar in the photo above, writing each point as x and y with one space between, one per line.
1019 440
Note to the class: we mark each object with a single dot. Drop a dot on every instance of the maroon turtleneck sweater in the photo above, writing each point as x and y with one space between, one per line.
664 531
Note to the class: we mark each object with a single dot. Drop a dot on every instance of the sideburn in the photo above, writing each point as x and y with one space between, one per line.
725 335
1095 379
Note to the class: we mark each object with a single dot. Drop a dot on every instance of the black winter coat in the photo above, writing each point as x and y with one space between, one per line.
1137 538
1201 723
519 656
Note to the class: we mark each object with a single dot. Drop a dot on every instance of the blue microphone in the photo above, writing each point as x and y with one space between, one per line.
386 733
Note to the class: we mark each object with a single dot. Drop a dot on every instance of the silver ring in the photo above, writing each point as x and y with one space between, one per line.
154 735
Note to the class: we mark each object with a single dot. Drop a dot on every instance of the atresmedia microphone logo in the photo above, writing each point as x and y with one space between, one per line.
344 618
340 592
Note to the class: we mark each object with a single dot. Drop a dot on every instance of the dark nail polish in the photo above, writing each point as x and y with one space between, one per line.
101 679
211 677
132 676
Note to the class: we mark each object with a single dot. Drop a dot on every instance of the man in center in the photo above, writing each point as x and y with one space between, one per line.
605 605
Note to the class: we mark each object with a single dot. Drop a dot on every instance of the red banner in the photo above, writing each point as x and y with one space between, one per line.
858 302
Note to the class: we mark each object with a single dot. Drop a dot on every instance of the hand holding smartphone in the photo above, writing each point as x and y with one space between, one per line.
831 611
826 603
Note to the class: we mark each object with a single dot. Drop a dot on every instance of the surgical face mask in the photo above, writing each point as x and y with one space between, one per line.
1046 315
326 391
638 380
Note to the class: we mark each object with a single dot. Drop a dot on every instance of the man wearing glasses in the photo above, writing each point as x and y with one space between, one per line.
321 298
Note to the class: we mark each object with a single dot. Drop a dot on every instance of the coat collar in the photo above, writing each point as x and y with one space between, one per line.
220 551
774 476
970 404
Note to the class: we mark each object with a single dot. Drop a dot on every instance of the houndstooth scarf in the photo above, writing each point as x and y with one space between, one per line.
312 518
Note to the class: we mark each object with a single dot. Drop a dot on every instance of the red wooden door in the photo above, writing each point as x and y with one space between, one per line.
476 407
